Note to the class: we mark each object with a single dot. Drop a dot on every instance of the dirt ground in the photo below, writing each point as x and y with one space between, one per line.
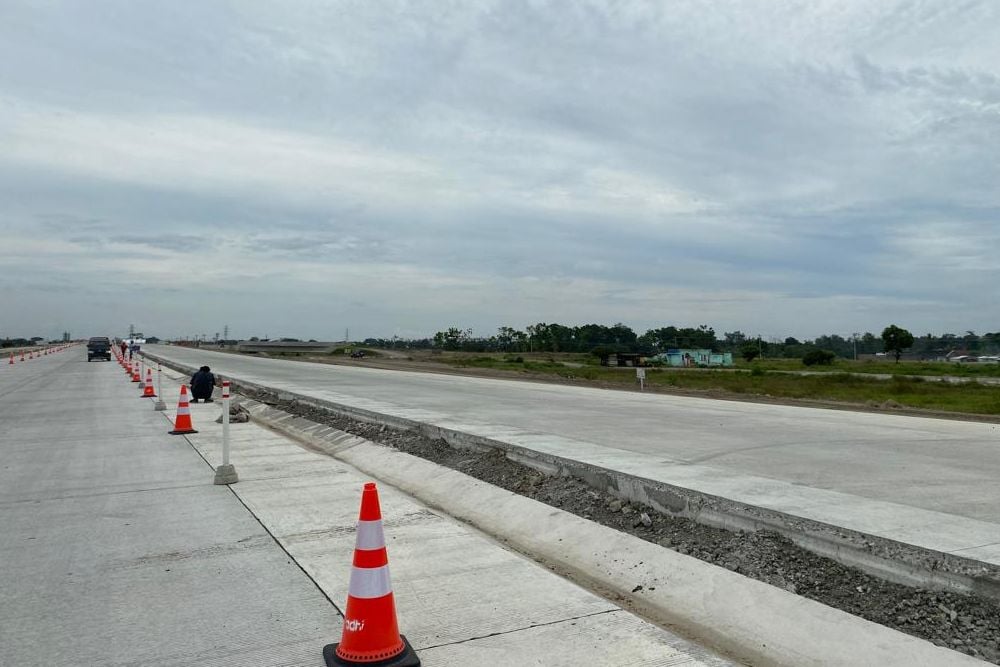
963 623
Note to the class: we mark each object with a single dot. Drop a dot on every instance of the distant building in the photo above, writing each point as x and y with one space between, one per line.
961 357
623 359
695 358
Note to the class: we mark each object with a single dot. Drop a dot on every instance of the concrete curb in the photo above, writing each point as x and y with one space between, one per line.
882 557
745 618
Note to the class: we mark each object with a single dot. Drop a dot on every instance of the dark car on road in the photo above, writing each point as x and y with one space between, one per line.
99 347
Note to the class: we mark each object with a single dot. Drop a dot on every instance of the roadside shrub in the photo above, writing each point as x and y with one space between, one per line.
602 352
819 358
756 371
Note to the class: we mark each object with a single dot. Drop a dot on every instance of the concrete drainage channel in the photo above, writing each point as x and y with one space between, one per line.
955 607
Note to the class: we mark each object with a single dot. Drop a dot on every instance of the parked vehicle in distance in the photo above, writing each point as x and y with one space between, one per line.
99 347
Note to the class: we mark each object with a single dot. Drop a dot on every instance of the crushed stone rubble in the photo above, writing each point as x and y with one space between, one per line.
963 623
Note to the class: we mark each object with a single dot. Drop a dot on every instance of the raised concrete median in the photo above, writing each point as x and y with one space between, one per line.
753 621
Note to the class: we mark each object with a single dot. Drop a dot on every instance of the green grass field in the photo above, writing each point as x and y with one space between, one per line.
836 384
878 367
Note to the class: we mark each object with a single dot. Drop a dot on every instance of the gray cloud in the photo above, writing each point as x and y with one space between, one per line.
799 169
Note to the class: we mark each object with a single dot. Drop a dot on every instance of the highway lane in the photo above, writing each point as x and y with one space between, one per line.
940 465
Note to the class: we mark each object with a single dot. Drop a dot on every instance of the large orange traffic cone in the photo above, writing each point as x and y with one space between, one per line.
136 377
147 388
182 424
22 355
11 362
371 634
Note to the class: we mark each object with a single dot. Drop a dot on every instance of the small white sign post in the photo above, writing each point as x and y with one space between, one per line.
640 374
159 405
226 473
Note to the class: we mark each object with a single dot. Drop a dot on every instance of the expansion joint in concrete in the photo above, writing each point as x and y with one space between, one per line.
521 629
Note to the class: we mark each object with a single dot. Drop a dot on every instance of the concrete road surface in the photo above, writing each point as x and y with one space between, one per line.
116 548
926 481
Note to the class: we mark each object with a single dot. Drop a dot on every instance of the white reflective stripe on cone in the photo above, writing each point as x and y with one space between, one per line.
183 410
370 535
369 582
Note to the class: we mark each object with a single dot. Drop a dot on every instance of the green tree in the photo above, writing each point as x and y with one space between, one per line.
749 351
821 357
896 340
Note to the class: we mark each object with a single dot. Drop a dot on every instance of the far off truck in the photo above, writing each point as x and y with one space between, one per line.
99 348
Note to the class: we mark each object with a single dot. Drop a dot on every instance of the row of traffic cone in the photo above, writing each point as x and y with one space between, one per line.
370 634
35 355
182 422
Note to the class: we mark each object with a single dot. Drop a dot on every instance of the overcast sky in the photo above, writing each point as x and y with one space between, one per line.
297 168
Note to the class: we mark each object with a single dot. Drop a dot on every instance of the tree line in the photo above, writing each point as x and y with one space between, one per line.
546 337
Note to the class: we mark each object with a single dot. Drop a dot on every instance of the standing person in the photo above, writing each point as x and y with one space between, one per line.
202 384
124 348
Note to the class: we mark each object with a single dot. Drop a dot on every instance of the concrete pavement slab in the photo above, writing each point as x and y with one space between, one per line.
145 560
758 622
454 587
888 475
118 550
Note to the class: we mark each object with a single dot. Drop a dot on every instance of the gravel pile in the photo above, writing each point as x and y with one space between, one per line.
963 623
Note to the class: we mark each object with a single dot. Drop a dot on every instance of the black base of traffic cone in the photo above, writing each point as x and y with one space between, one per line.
176 432
408 658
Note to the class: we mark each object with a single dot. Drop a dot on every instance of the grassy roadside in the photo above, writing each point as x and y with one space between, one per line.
842 386
927 368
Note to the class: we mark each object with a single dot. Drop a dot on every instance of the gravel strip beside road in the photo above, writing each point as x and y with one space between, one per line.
963 623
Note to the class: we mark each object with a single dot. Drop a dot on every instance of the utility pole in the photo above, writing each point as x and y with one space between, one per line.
225 332
131 331
347 335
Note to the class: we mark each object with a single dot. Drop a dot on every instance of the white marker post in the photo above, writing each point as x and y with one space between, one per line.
640 374
226 473
159 405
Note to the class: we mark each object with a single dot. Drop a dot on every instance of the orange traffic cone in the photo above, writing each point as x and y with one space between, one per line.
135 373
22 355
371 634
182 424
11 362
147 387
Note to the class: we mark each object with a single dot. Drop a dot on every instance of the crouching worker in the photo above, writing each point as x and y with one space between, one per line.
202 384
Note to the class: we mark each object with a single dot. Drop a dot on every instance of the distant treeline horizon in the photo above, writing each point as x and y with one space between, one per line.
588 338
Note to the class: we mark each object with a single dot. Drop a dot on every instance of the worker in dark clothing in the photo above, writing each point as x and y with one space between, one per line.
202 384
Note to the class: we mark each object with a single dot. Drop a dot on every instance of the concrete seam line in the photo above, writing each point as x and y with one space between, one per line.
267 530
706 602
527 627
284 550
